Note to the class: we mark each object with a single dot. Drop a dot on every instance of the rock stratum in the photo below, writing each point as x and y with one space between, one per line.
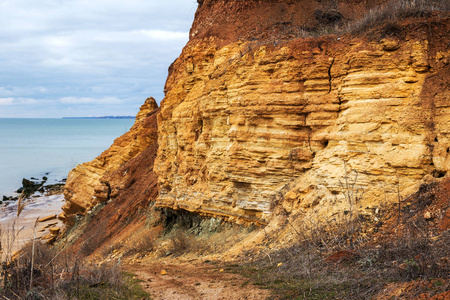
106 177
259 120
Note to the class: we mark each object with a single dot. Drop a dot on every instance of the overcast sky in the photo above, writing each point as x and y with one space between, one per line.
64 58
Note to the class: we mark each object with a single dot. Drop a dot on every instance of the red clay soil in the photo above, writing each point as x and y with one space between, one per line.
408 290
429 207
127 211
233 20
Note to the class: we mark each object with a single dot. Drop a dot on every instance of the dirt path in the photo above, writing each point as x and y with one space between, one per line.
193 281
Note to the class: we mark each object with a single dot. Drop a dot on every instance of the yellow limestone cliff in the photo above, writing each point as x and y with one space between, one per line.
88 183
247 126
250 126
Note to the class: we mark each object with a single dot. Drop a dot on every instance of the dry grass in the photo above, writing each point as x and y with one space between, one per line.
394 11
354 258
322 265
176 233
387 16
39 271
141 243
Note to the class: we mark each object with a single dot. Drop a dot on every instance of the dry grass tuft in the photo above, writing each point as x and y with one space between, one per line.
46 272
355 258
390 14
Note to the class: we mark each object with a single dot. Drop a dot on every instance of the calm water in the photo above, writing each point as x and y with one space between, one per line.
33 147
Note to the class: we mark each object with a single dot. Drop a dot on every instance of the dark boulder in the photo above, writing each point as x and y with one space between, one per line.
30 186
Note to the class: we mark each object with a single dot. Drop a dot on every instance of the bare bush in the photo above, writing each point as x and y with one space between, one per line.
394 11
60 275
141 243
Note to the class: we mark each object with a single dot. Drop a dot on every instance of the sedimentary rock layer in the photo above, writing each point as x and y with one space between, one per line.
249 125
258 118
90 183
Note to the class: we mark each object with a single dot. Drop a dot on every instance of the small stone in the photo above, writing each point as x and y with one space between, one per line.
50 225
410 79
54 231
47 218
51 240
427 216
389 45
46 237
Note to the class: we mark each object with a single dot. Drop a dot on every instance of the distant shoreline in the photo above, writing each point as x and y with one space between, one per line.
104 117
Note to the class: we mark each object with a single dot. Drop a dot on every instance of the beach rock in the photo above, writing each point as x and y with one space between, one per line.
50 225
47 218
10 198
54 231
51 240
30 186
133 190
53 189
47 236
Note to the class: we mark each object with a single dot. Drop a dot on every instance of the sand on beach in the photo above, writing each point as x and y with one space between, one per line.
17 231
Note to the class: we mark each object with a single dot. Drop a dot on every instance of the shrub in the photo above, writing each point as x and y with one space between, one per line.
391 13
61 275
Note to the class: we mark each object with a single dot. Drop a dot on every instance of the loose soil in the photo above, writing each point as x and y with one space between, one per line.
192 280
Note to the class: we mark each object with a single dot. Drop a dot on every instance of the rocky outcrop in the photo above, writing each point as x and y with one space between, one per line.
259 118
250 125
137 190
90 183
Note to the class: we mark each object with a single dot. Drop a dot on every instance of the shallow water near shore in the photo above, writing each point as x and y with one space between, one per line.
51 147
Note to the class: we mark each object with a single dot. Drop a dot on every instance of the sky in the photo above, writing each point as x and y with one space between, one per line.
70 58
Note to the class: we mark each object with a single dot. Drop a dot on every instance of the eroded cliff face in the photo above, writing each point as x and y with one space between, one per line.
93 182
259 120
252 125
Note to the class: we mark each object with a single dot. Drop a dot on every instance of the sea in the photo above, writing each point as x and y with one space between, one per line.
51 147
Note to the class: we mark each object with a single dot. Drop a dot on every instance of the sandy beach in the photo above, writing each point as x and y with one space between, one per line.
22 227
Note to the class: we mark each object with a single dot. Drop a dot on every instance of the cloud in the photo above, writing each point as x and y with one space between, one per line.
17 101
86 100
6 101
88 51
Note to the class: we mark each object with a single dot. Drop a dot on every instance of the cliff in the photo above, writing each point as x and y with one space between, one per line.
92 183
253 124
261 116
